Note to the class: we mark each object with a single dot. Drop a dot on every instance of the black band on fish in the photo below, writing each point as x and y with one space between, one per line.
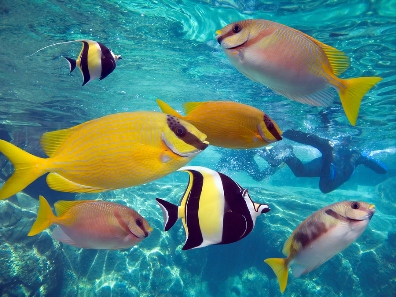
229 33
84 62
271 127
335 215
108 62
182 133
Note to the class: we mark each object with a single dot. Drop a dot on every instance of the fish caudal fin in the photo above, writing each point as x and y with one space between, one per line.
45 217
170 212
352 94
280 268
72 64
27 169
165 108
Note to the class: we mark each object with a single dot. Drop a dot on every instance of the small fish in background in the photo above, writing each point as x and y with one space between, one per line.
94 61
112 152
92 224
293 64
229 124
214 209
321 236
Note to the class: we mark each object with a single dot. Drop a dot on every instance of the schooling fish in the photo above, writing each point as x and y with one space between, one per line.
111 152
229 124
293 64
92 224
95 60
322 235
214 209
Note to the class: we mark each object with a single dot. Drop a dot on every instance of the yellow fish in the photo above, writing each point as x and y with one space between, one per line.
92 224
229 124
322 235
111 152
293 64
94 61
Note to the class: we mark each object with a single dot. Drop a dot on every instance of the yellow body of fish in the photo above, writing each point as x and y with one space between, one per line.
293 64
112 152
321 236
92 224
229 124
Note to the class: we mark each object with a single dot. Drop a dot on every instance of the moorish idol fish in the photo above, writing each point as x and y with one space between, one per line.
112 152
214 209
92 224
293 64
95 60
322 235
229 124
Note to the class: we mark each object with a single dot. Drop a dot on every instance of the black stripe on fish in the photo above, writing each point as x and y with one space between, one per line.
271 127
237 220
84 63
311 231
194 236
182 133
108 62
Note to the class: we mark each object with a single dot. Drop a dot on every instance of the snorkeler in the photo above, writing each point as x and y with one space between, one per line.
334 167
243 160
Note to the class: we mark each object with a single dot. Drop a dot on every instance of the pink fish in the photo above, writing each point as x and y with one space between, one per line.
293 64
92 224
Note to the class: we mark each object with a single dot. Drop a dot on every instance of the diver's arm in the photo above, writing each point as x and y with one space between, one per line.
372 164
321 144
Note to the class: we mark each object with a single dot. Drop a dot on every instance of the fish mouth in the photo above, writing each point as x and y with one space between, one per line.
237 46
186 154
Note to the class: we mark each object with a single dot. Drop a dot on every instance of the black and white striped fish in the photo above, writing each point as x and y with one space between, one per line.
95 60
214 209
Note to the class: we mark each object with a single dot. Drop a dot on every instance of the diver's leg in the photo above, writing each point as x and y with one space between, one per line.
373 164
310 169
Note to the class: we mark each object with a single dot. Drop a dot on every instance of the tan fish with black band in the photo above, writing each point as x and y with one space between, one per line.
321 236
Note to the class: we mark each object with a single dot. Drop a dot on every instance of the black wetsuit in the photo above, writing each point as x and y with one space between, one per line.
334 167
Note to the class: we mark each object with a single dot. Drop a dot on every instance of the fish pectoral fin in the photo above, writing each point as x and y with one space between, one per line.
59 183
234 227
60 235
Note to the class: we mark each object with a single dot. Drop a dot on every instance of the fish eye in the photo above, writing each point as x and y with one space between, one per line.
139 222
355 205
237 28
180 130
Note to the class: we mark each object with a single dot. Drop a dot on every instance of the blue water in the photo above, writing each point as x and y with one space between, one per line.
169 52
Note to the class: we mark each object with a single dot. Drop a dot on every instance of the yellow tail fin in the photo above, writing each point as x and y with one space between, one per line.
165 108
280 268
45 217
27 169
352 94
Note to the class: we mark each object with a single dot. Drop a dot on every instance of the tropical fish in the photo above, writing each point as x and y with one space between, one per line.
322 235
92 224
112 152
229 124
214 209
293 64
95 60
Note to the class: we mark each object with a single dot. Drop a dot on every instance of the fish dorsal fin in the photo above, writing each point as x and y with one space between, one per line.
51 141
58 43
190 106
61 207
166 108
287 247
339 61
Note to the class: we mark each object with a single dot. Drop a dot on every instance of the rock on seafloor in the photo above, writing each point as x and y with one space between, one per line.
40 266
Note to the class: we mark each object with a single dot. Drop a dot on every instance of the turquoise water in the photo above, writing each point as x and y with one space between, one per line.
169 52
